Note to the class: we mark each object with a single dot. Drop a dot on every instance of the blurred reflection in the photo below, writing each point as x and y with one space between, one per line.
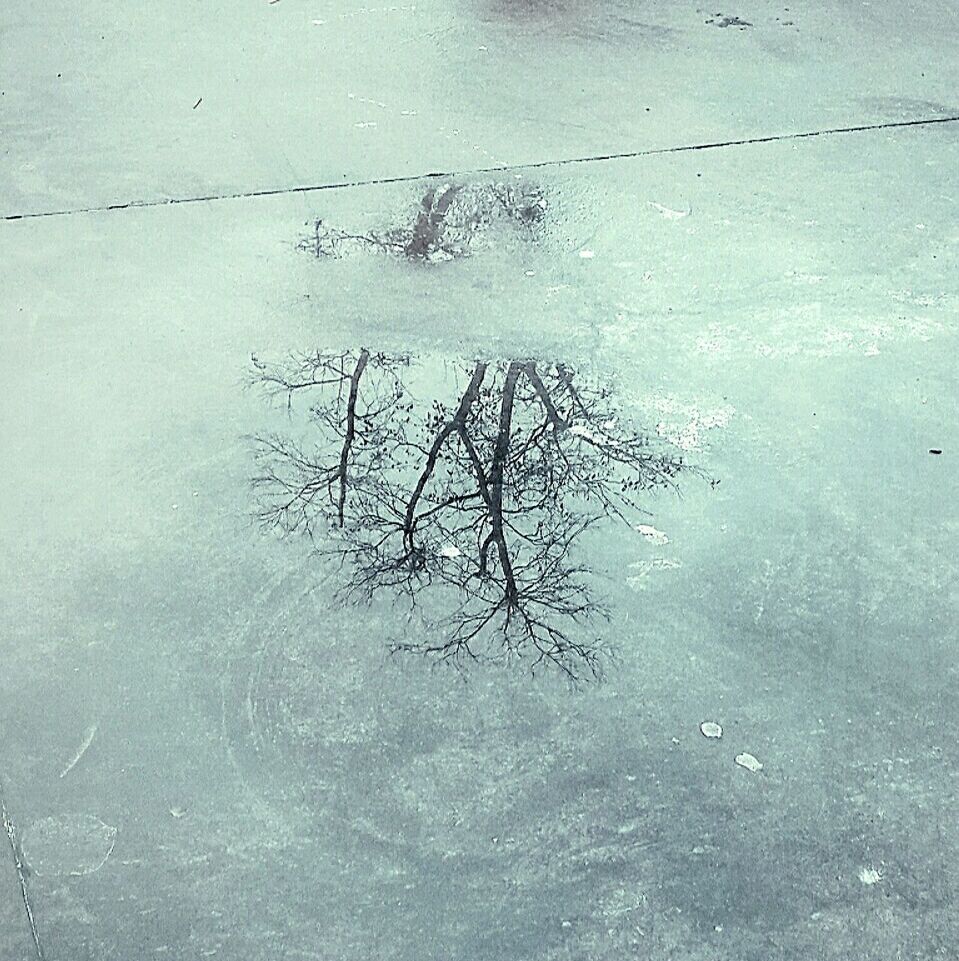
449 221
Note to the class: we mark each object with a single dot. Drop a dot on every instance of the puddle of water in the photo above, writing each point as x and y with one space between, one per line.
462 489
449 221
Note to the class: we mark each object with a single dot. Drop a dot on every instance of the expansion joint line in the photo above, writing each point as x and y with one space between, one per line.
476 171
11 832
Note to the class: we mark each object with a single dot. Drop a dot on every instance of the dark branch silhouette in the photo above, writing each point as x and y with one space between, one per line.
477 502
300 486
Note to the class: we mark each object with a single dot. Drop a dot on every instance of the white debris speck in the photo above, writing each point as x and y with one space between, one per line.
711 729
668 213
587 254
656 564
802 278
365 123
318 23
749 762
651 534
870 875
645 568
451 550
685 424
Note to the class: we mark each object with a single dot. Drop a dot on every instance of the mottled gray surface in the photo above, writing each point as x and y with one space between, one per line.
783 315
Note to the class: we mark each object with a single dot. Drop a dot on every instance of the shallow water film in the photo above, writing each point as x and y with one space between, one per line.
479 482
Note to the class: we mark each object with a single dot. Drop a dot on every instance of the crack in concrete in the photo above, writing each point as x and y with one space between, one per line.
11 833
533 165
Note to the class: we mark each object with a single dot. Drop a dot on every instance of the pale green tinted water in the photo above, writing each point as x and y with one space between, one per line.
195 699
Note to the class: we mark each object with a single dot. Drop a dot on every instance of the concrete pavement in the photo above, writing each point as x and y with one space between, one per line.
263 779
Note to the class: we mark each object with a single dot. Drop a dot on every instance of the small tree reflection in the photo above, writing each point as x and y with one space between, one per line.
447 222
478 499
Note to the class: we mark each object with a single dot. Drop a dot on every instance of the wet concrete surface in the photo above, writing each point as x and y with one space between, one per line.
102 106
208 752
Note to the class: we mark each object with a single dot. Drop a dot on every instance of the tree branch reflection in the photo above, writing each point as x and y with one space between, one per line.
476 500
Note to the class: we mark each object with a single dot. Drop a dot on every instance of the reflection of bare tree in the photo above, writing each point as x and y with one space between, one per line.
300 486
479 499
445 225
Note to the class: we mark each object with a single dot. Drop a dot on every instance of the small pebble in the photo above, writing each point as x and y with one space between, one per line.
749 762
710 729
